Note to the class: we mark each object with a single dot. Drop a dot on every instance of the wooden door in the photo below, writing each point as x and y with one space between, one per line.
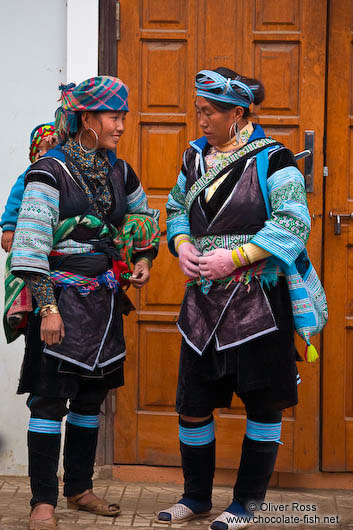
163 44
337 425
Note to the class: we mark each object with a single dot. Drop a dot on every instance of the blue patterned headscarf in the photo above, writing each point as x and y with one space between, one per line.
212 85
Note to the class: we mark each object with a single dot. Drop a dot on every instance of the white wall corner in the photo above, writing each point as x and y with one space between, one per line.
82 39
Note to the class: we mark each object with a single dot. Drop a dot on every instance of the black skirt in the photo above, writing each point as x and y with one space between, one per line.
47 376
262 372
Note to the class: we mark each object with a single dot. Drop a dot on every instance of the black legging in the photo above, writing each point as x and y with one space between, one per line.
256 466
79 447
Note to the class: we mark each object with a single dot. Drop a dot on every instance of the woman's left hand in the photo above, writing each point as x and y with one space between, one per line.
217 264
141 274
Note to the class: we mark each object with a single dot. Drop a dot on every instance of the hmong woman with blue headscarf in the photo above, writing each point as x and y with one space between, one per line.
236 319
84 219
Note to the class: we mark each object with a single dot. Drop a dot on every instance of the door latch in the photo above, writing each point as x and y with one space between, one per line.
337 217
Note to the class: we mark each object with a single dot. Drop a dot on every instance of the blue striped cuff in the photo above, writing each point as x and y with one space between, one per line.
197 436
263 432
44 426
81 420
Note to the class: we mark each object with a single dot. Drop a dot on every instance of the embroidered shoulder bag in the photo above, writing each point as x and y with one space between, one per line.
307 295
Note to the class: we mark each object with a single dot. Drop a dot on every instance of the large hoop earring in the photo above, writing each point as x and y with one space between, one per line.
236 134
88 151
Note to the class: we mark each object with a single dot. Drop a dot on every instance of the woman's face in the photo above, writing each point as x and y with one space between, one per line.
109 126
215 124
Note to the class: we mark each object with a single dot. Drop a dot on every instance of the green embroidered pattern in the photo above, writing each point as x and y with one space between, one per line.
293 225
204 181
292 191
229 241
177 194
172 214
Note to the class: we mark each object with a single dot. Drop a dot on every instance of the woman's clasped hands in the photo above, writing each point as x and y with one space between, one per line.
216 264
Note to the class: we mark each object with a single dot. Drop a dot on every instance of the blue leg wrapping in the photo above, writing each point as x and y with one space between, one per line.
263 432
44 426
83 420
191 435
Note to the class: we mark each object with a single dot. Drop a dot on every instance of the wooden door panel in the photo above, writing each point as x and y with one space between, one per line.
161 61
159 346
163 45
337 429
277 65
157 13
161 155
274 16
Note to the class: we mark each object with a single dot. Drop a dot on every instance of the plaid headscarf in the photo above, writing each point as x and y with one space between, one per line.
212 85
95 94
37 135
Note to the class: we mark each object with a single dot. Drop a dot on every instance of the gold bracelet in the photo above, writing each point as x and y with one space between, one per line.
144 259
47 309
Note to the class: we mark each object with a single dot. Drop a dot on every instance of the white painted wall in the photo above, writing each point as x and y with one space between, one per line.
82 39
43 44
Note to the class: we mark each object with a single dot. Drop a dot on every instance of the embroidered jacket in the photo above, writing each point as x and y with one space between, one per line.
53 194
236 214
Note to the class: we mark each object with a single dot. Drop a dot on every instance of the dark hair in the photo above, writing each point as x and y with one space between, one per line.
256 86
79 125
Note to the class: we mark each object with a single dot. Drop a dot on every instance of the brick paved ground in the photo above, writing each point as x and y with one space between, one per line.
139 502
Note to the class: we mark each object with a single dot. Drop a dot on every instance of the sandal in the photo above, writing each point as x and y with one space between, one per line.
43 524
96 506
229 521
179 513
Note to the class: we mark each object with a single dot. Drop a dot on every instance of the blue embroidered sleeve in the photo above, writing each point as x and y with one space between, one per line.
137 203
177 217
38 216
285 234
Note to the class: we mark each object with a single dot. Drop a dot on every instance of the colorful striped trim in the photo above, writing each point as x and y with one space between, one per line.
263 432
81 420
44 426
197 435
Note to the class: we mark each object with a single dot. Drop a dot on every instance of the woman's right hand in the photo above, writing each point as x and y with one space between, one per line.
7 239
52 329
189 259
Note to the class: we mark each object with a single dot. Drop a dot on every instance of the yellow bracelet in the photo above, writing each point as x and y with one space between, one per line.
239 257
47 309
180 242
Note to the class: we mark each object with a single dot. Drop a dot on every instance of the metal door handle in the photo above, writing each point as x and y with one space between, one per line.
309 161
303 154
337 217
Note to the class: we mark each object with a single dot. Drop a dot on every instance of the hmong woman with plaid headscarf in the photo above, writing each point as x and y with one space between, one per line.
236 318
83 221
